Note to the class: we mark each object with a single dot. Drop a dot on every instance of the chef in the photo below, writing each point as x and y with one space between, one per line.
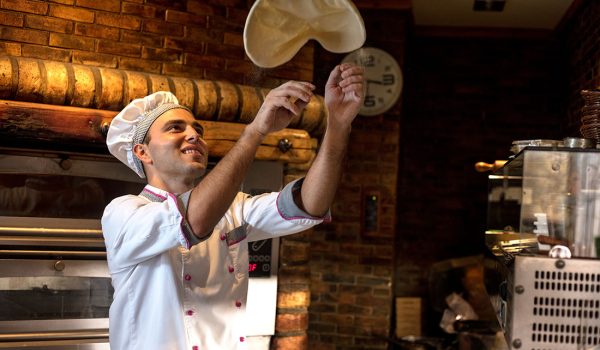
177 252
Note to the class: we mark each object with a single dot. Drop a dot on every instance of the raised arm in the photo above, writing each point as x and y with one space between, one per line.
343 98
213 195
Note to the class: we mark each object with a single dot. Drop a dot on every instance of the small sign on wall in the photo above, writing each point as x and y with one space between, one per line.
408 317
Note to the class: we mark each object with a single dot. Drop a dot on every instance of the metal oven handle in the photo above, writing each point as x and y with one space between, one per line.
62 253
58 335
43 231
51 241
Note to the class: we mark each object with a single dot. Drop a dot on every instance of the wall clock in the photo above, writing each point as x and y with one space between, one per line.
383 79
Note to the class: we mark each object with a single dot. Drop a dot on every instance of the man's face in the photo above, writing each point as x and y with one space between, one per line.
177 147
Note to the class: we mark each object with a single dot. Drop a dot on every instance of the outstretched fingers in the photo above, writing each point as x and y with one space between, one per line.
293 96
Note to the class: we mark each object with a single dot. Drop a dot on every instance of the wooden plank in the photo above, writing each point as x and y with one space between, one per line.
83 126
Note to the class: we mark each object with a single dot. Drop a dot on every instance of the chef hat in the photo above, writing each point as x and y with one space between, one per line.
275 30
131 126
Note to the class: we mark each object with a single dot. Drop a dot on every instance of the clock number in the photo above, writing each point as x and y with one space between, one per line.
367 61
369 101
388 79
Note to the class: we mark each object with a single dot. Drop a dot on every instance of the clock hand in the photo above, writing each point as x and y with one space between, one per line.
374 82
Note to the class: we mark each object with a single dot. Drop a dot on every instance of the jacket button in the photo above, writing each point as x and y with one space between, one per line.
238 303
189 312
230 269
242 339
223 237
187 277
195 347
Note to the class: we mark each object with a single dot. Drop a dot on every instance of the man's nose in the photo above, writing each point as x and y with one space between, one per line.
192 135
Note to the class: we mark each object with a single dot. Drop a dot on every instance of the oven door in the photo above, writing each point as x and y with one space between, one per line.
54 303
55 289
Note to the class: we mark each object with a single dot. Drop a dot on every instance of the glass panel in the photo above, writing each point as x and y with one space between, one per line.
43 298
59 196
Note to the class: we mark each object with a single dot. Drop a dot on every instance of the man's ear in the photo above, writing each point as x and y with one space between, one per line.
141 151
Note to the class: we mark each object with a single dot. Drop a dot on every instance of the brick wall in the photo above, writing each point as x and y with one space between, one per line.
581 39
466 100
192 38
351 273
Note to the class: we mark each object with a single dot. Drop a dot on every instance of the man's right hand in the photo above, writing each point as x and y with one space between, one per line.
281 105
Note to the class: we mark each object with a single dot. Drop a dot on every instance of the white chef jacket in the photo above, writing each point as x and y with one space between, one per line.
173 291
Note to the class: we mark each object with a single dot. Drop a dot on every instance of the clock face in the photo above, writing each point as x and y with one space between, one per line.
383 79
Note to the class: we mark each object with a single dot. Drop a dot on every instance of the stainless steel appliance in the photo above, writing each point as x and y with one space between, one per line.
543 272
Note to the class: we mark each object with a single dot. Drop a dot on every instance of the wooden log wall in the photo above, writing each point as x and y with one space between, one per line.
84 126
60 83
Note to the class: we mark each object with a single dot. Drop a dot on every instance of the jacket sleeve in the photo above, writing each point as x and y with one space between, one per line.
276 214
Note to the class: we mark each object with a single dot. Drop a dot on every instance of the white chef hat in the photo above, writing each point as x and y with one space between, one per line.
131 126
276 30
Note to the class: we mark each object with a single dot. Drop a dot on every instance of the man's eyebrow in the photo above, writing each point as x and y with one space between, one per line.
198 126
174 122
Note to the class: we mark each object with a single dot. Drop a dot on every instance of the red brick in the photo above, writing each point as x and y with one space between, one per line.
228 3
14 19
97 31
294 274
234 39
293 299
225 51
71 41
72 13
161 27
240 66
174 4
236 18
185 45
120 21
185 18
12 49
295 342
291 322
145 39
104 5
201 8
169 55
64 2
140 65
37 7
49 23
94 59
24 35
198 35
46 53
138 10
118 48
204 61
294 251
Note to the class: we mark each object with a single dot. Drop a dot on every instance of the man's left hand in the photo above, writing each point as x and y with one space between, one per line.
344 93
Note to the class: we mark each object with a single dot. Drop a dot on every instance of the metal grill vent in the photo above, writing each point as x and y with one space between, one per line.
555 304
567 281
566 307
565 334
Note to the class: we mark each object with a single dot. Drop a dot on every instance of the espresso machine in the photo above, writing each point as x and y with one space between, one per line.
542 266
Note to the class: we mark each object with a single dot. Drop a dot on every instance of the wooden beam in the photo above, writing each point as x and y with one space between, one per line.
69 126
